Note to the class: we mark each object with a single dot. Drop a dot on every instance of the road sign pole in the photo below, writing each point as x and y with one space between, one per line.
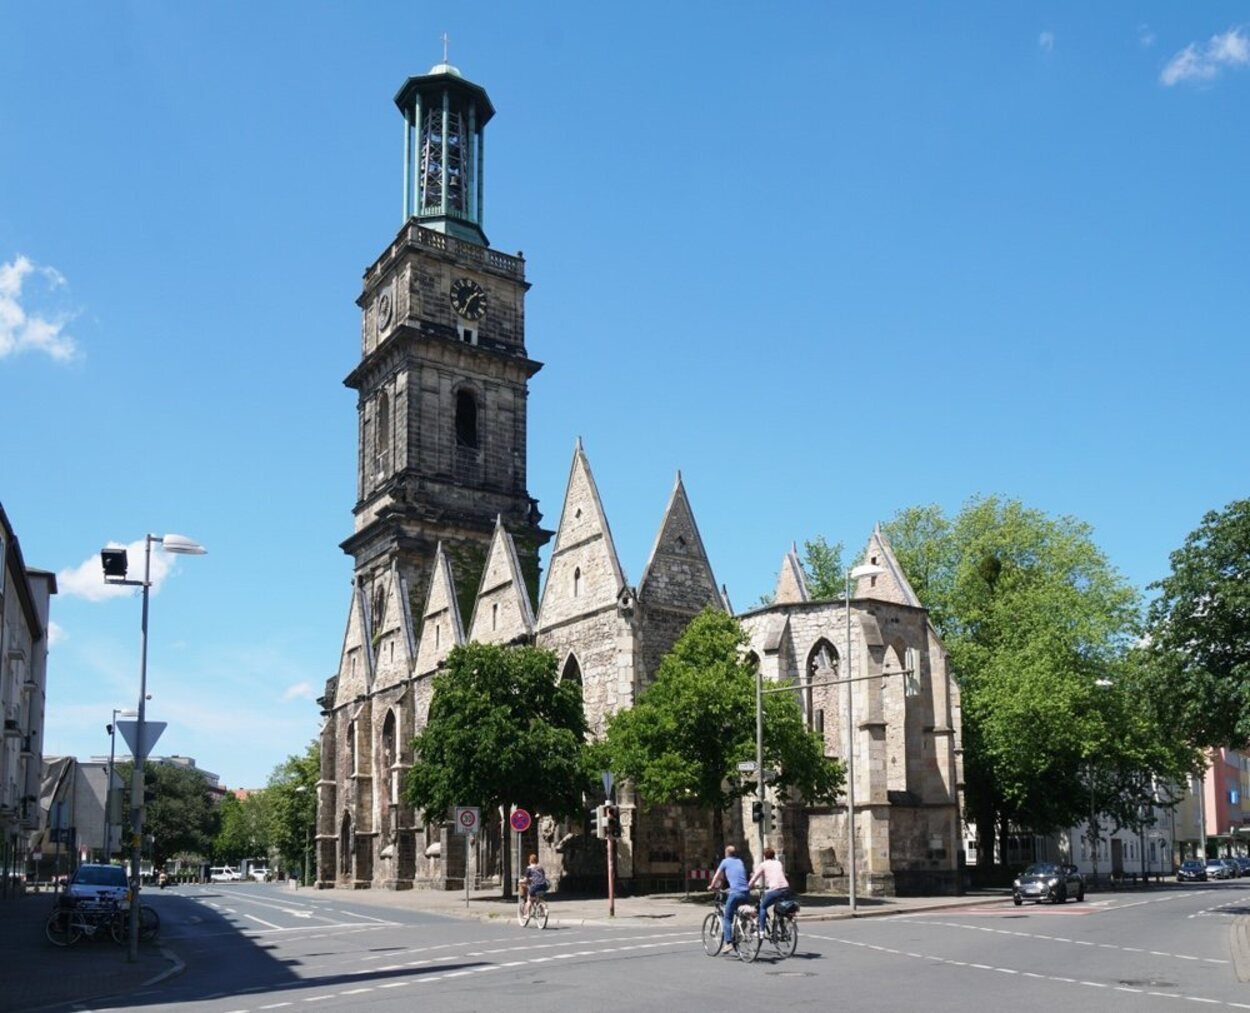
611 876
466 871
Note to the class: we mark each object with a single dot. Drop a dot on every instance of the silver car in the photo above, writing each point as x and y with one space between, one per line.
1048 881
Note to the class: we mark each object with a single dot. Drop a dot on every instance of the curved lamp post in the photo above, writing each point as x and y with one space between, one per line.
115 565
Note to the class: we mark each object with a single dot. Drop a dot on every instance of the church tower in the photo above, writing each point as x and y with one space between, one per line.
443 376
442 388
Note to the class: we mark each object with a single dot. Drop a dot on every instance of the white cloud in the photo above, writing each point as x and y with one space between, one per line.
1145 36
1203 62
300 691
56 634
87 579
1046 41
31 331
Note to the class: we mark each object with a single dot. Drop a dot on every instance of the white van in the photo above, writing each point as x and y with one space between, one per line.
223 874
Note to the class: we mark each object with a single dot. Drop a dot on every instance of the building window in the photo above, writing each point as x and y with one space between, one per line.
577 581
572 671
466 420
494 617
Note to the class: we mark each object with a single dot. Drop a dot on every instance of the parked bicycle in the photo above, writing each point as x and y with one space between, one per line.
746 939
70 920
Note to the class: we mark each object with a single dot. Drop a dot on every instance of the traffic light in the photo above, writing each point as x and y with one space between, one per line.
757 812
599 821
769 817
613 820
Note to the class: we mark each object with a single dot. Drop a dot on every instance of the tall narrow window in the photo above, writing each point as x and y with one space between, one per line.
466 420
494 617
577 581
382 429
572 670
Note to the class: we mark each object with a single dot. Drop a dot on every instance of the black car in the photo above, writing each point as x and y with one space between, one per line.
1048 881
1192 871
1244 862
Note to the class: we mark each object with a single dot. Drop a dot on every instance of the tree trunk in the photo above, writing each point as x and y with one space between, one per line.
718 834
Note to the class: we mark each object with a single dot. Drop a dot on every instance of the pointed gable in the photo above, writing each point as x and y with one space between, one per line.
392 632
356 662
891 585
441 629
502 612
584 574
791 582
678 573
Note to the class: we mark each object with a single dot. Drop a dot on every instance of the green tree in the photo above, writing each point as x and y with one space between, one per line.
1198 658
1035 619
501 731
244 828
690 728
181 816
823 568
291 807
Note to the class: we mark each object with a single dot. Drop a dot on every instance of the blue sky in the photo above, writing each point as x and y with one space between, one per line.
828 260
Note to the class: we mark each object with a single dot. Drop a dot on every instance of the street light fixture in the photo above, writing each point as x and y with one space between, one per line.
108 790
115 566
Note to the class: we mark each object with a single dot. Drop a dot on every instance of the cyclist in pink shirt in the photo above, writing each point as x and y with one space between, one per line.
776 886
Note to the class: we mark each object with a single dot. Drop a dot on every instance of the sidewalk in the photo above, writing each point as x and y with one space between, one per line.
34 973
656 909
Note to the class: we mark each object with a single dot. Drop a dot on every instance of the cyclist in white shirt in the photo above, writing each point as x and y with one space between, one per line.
776 886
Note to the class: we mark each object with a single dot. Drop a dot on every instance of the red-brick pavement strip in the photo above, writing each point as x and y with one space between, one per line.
35 974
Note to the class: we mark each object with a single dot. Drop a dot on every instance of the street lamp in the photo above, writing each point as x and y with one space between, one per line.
115 566
300 790
108 790
866 570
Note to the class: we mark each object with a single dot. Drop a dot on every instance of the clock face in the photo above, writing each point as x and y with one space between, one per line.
385 310
468 298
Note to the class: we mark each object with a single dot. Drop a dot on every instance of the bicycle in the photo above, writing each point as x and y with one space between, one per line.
746 940
70 921
783 929
535 911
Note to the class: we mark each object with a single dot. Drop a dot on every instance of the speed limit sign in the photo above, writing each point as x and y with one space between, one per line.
467 819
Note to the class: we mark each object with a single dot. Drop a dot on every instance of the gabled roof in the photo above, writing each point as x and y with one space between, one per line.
441 611
791 581
678 571
583 535
893 585
502 585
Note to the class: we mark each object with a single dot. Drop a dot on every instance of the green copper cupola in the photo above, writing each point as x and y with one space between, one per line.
444 116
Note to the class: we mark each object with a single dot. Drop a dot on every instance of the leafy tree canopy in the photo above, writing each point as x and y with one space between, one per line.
683 739
1035 618
291 805
1199 632
182 816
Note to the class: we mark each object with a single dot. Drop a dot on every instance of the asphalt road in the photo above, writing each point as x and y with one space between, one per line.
253 948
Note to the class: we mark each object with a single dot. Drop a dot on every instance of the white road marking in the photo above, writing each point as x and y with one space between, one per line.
270 925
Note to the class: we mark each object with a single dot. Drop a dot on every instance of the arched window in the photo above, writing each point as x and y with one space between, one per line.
494 616
351 746
577 581
388 755
822 666
572 670
466 419
345 845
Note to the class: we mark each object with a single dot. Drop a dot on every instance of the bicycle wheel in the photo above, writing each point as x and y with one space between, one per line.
149 923
540 913
522 916
746 937
61 929
118 928
713 938
786 936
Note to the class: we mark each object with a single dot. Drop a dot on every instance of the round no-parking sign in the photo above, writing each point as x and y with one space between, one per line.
519 820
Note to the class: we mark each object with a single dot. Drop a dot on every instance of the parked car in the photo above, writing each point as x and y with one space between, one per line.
1047 881
1216 869
1243 862
1192 871
223 874
1233 867
260 875
92 883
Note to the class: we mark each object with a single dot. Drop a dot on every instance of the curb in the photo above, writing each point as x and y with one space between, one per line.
177 966
1240 945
